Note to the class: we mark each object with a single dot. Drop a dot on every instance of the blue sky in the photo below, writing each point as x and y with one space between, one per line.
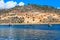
6 4
55 3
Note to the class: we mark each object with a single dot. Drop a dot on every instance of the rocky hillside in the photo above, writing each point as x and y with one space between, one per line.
32 7
30 13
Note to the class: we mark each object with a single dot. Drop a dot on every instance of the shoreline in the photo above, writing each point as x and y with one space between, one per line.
26 23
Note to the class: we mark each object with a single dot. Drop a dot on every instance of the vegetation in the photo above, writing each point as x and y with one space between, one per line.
31 7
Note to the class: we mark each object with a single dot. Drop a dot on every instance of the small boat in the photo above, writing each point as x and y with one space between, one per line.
49 25
9 25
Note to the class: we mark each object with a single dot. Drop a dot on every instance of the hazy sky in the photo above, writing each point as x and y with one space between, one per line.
13 3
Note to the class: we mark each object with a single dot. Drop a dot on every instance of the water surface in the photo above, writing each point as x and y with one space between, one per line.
30 32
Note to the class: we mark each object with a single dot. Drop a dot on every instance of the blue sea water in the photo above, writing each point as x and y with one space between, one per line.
30 32
34 26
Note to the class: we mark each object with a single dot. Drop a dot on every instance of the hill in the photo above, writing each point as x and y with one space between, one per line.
32 7
30 13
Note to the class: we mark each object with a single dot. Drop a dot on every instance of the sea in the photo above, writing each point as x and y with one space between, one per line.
30 32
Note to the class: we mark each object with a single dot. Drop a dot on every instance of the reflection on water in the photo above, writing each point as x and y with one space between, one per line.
28 34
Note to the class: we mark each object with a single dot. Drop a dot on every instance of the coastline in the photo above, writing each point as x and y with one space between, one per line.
26 23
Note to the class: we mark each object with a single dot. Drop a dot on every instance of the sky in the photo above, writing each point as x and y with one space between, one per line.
13 3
